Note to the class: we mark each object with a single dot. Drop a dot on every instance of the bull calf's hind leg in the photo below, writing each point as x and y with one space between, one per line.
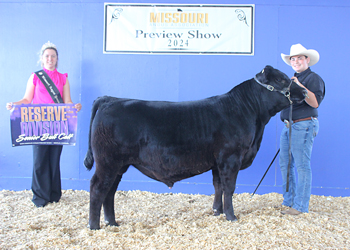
100 186
217 205
108 204
96 199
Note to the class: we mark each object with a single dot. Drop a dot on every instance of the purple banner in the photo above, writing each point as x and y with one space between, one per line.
45 124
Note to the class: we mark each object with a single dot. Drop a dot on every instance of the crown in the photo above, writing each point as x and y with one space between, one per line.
48 45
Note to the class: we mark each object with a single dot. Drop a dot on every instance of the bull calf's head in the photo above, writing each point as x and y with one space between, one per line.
275 80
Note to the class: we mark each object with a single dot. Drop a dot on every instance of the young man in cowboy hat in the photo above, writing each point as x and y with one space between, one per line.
304 129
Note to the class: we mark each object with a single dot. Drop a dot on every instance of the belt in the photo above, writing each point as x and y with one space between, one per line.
286 122
303 119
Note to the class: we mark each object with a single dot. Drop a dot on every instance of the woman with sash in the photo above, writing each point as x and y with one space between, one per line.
46 181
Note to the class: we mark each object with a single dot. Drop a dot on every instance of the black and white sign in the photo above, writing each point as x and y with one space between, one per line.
179 29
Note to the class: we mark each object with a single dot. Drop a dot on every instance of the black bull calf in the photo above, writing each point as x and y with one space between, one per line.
170 141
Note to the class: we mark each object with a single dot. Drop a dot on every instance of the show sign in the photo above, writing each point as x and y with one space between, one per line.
179 29
45 124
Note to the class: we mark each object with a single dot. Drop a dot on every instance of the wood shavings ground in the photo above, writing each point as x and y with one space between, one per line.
172 221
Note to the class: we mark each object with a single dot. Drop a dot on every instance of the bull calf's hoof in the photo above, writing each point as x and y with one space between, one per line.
112 223
231 218
94 227
217 212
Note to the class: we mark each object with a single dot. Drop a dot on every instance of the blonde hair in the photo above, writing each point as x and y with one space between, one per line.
48 45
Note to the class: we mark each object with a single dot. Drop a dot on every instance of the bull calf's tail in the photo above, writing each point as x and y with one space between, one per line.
89 158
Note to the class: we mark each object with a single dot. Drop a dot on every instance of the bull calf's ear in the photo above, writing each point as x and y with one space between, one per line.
268 69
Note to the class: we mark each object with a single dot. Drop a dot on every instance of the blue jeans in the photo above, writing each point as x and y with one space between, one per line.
303 134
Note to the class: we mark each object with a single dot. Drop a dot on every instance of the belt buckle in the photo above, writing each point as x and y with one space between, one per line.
286 122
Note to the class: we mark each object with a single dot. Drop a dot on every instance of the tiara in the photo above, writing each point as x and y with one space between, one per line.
47 46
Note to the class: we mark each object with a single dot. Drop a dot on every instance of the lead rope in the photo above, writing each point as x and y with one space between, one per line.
286 94
290 144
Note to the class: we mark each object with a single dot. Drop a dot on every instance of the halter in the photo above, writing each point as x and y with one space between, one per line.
285 91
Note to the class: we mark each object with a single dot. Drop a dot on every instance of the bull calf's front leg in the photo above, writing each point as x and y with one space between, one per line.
217 205
228 207
229 186
228 176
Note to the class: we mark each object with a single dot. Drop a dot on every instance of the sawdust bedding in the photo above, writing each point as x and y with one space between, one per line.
172 221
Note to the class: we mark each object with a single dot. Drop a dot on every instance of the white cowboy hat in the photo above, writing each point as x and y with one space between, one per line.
298 49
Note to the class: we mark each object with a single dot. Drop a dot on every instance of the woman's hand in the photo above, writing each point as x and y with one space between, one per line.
9 105
78 106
